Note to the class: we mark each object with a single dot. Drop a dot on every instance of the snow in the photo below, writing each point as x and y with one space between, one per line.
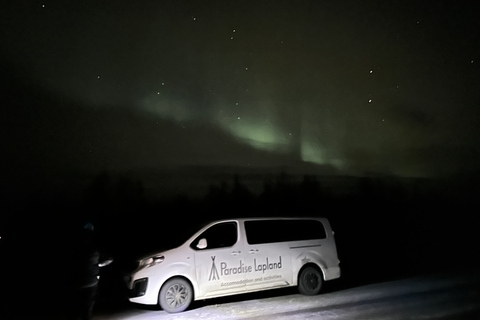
445 296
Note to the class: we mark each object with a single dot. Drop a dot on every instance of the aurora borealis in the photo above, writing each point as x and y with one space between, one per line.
371 86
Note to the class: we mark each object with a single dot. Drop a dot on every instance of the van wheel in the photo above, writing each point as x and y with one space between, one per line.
310 281
176 295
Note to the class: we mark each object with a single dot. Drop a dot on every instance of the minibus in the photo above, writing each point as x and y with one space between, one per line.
233 256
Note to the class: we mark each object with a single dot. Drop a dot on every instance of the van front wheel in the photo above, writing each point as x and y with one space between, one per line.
310 281
176 295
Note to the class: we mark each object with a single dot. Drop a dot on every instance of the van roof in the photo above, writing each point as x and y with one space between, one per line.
270 218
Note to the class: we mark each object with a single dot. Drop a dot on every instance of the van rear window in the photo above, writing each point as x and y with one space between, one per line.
269 231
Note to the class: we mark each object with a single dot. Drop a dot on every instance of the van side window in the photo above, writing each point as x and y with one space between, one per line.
269 231
218 236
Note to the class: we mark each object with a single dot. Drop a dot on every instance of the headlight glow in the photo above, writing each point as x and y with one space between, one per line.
151 261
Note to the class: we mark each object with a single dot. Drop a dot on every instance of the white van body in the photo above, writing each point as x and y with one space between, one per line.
235 256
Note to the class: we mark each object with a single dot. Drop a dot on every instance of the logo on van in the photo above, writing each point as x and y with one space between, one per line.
213 272
226 270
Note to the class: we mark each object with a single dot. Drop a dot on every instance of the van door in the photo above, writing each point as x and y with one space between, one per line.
219 260
270 259
271 265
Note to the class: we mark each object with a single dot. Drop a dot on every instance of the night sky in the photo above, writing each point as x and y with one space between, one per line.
351 87
178 93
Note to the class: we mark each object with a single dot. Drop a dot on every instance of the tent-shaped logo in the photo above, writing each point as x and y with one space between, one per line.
213 272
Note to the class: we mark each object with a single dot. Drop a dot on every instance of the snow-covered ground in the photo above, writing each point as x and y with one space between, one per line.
436 296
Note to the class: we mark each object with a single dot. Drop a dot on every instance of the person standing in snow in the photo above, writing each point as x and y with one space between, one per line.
87 272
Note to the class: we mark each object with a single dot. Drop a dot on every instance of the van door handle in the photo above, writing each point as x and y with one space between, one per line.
236 253
253 251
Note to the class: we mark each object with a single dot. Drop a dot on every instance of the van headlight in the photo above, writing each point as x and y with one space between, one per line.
151 261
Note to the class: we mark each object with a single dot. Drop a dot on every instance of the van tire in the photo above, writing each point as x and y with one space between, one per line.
175 295
310 281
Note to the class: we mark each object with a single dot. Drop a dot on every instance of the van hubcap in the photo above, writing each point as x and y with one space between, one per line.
176 295
311 280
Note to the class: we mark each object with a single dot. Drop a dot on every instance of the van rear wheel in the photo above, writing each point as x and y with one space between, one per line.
176 295
310 281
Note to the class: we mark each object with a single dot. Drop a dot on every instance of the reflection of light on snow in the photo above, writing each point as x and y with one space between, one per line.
442 298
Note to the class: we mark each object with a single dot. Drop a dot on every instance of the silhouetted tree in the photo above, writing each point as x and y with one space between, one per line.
129 194
310 193
218 198
279 195
99 194
266 197
242 198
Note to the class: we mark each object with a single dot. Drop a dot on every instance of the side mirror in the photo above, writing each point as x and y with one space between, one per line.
202 243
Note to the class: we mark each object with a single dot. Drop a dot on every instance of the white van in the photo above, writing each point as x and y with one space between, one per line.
235 256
